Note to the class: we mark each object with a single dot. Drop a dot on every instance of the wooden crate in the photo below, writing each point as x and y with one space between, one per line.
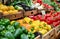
1 15
38 37
48 35
14 16
57 31
32 12
39 11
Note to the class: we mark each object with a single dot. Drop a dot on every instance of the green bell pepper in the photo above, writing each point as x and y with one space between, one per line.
11 28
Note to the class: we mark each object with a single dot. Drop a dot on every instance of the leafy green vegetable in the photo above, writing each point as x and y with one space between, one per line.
18 7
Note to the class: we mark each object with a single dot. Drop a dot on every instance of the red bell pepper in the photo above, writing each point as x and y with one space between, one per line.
39 1
56 23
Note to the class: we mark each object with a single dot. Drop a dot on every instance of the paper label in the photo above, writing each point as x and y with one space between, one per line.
43 12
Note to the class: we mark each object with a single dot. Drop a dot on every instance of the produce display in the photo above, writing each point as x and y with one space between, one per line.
50 18
42 2
35 25
6 10
44 23
22 4
13 30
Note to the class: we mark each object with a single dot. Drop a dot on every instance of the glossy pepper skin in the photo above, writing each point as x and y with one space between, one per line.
39 1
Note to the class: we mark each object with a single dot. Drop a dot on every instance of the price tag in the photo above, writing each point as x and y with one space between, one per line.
43 12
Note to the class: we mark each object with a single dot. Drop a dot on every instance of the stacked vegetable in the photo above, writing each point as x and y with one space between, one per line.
23 4
13 30
35 25
55 5
50 18
7 9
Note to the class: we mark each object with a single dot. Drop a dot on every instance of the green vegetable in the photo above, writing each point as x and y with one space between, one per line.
24 36
16 24
3 38
4 22
10 28
17 32
9 35
7 21
3 32
2 27
18 7
30 35
30 2
24 30
13 30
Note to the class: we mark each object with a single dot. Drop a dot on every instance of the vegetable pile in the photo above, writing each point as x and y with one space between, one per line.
6 10
50 18
13 30
35 25
22 4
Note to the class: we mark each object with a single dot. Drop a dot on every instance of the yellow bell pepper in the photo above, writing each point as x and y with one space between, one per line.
27 19
43 31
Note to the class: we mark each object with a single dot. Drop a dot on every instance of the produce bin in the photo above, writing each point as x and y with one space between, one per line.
32 12
1 15
57 31
48 35
14 16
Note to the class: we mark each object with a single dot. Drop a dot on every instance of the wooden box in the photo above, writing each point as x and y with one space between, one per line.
48 35
14 16
32 12
57 31
1 15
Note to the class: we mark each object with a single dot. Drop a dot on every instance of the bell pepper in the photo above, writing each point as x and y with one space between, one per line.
24 36
17 32
9 35
2 27
39 1
11 28
4 22
27 18
43 31
15 24
35 23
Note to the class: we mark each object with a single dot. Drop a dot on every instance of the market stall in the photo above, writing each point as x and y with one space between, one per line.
29 19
